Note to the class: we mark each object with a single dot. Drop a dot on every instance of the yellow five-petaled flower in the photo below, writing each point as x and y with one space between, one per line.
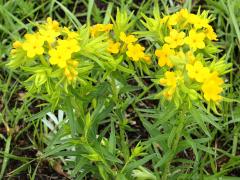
164 56
136 52
59 57
212 87
33 45
197 71
113 47
175 38
127 38
195 40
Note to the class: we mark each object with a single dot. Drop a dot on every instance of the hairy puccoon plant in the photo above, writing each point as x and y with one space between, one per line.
63 64
191 74
187 56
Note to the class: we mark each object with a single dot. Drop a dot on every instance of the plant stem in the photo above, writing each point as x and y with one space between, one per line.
71 116
174 144
123 142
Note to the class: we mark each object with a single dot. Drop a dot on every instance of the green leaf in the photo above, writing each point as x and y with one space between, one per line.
138 163
112 140
5 159
69 14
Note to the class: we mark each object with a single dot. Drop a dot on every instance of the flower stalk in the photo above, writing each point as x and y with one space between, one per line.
175 143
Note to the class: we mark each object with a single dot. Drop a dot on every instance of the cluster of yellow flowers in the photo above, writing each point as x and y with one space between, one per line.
53 45
134 50
124 44
100 28
184 44
129 45
182 55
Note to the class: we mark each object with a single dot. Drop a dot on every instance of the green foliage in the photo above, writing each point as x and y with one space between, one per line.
112 125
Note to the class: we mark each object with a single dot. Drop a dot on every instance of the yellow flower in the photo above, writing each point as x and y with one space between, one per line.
164 20
169 92
175 38
183 16
49 31
52 24
33 45
170 81
195 40
163 55
69 45
59 57
173 20
197 21
94 30
212 87
113 47
210 33
70 34
70 70
135 51
147 59
127 39
17 44
197 71
62 54
183 13
107 27
48 35
178 18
